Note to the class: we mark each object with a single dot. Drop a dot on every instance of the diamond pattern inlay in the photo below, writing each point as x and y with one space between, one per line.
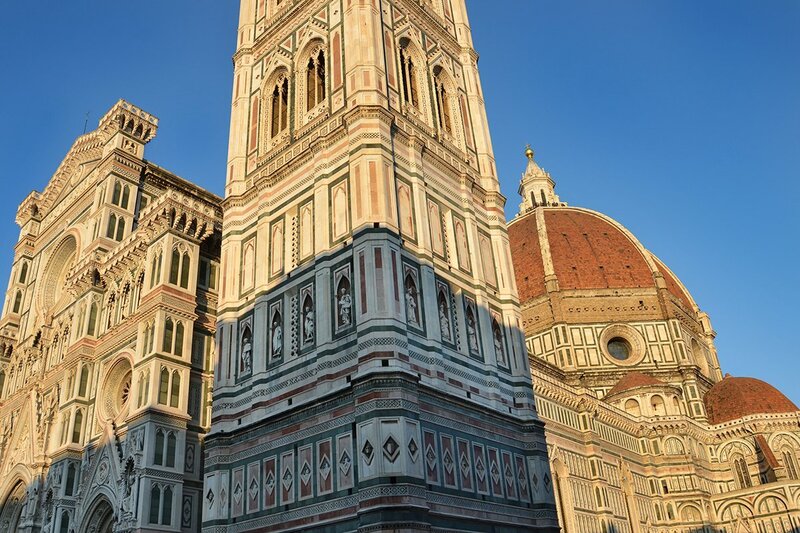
391 449
368 452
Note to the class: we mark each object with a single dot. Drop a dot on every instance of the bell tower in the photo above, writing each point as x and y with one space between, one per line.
371 372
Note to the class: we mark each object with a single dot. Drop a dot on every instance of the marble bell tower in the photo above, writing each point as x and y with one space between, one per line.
371 373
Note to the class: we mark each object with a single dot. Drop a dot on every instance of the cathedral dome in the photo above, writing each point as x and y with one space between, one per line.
587 250
734 398
634 380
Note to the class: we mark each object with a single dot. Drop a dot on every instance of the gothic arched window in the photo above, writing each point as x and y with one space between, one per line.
23 273
409 76
69 488
169 330
741 473
174 397
171 445
115 197
174 267
77 426
178 350
155 503
279 107
17 302
158 450
163 387
443 107
120 229
126 193
166 507
112 226
64 527
185 265
84 381
315 80
788 461
155 270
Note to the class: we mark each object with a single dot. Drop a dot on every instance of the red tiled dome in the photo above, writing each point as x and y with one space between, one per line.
588 251
634 380
734 398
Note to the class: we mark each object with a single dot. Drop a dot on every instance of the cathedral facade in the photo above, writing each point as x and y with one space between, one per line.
106 342
645 434
372 374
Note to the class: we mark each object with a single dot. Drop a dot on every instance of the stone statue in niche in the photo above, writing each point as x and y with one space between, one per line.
345 305
277 335
444 317
246 363
498 344
412 307
308 321
472 331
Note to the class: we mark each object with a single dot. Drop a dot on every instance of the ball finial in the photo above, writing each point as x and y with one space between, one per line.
529 152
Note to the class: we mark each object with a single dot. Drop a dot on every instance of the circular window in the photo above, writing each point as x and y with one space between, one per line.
619 349
116 389
622 345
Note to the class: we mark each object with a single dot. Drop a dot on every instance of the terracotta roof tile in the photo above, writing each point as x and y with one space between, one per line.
527 256
633 380
734 398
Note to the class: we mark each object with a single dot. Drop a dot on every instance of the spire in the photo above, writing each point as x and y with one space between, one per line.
537 188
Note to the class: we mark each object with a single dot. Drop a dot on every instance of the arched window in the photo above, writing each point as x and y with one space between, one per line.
185 264
163 387
178 339
657 404
64 427
120 229
158 450
166 509
17 302
632 408
741 473
788 460
23 273
171 445
174 398
169 329
2 382
84 381
315 80
151 340
112 226
77 426
279 106
155 503
174 267
92 328
155 272
409 76
443 107
117 193
126 193
69 488
64 526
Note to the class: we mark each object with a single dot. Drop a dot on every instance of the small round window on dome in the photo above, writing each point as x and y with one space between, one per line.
619 348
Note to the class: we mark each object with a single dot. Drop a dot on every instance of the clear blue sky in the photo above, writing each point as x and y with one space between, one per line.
681 119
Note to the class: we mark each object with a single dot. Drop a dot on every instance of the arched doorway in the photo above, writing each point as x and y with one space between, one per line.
12 509
100 518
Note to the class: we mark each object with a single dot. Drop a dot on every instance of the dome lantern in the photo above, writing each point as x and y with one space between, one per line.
537 188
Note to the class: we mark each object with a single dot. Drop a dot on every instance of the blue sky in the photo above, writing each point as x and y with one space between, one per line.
681 119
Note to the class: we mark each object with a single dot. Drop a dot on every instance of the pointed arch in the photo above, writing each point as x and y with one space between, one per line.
175 391
186 263
174 267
